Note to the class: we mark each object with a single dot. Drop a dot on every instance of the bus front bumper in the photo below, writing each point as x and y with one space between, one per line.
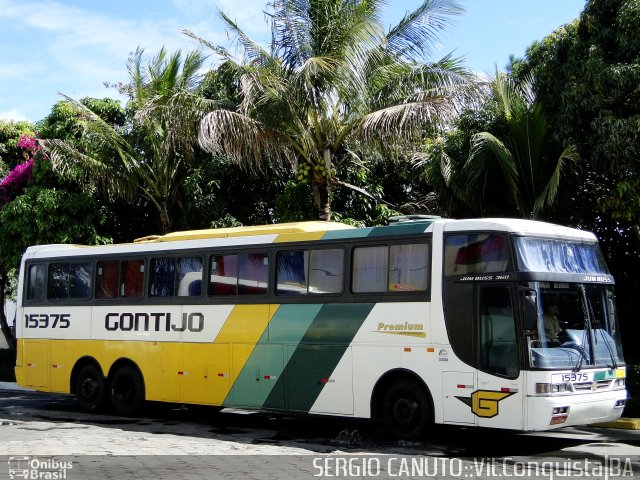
550 412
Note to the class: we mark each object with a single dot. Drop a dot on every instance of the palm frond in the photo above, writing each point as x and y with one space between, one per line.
548 194
243 139
485 148
418 32
405 122
256 54
223 52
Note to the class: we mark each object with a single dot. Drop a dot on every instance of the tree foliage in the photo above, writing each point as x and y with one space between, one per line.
151 154
10 135
333 82
587 76
500 159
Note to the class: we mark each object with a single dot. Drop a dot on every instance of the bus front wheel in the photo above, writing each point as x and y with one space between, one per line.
405 410
90 388
127 391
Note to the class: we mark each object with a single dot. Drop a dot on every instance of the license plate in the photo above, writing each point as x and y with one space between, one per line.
572 377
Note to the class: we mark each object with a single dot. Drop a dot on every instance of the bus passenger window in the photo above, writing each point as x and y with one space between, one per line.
132 275
108 279
224 275
476 253
253 274
325 271
189 276
58 281
370 269
292 272
408 267
162 277
80 280
35 285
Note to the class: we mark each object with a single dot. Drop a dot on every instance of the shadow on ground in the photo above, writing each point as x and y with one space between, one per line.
315 433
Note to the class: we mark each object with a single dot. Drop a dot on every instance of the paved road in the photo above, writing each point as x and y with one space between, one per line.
48 434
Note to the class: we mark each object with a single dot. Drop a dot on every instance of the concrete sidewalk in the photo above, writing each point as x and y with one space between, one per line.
12 386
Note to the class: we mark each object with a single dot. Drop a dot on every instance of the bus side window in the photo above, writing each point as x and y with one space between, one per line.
224 275
107 279
80 280
58 281
161 277
326 269
189 276
293 268
253 274
408 267
472 253
370 269
498 344
35 284
132 275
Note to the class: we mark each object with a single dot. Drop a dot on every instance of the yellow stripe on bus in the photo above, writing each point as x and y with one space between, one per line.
299 237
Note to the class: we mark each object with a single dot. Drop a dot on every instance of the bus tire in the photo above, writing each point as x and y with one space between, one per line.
91 389
405 410
127 391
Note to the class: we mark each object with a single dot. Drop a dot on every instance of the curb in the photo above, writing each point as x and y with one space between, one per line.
623 424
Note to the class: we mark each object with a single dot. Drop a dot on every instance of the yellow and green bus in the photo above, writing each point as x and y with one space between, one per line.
424 321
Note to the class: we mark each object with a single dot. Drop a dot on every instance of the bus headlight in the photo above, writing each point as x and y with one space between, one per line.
550 388
619 383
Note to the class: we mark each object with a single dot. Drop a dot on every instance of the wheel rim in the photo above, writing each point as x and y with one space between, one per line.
406 412
125 392
89 389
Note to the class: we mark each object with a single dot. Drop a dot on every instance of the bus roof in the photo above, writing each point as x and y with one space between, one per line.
519 226
276 228
304 231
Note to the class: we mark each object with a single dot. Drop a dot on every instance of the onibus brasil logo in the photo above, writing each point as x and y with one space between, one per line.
38 468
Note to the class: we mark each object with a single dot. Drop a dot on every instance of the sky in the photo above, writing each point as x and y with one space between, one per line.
72 47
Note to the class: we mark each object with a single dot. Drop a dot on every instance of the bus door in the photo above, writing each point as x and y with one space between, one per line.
498 399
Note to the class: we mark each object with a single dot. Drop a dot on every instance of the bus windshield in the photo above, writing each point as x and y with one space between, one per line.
559 256
577 327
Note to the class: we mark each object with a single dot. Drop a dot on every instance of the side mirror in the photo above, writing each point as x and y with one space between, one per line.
530 311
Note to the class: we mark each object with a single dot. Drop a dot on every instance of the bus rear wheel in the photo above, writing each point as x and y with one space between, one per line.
127 391
90 389
405 410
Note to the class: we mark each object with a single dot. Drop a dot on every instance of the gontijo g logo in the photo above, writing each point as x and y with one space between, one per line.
485 403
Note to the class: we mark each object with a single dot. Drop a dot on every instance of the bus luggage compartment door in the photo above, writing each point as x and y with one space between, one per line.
457 388
37 368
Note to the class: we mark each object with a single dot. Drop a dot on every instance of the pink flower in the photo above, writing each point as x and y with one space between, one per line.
28 143
16 181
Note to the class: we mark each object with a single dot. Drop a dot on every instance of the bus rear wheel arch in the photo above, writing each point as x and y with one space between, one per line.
403 406
127 389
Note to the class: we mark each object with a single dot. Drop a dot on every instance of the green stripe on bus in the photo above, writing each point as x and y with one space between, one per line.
344 234
408 228
318 354
260 375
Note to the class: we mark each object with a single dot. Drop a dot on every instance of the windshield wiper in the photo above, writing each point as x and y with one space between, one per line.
587 338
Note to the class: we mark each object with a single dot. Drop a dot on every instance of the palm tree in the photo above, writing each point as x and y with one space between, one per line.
151 155
333 83
525 161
